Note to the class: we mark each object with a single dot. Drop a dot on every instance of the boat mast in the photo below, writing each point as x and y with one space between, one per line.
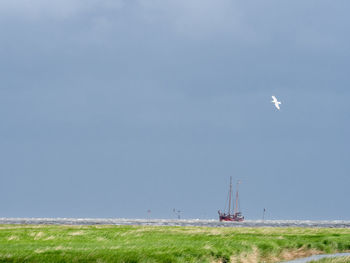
236 208
229 202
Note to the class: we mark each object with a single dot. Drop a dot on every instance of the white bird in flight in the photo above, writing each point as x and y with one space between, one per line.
276 102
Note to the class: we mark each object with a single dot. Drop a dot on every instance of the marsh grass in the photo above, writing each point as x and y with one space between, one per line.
32 243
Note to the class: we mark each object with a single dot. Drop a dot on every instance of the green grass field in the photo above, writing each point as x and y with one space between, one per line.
42 243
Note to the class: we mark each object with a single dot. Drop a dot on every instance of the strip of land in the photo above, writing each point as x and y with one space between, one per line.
108 243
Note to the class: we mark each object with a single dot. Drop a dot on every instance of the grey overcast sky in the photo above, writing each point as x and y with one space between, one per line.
112 107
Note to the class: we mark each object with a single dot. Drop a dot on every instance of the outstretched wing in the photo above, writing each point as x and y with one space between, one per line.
277 105
274 98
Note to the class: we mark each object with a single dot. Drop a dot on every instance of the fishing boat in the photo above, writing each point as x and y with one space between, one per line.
236 215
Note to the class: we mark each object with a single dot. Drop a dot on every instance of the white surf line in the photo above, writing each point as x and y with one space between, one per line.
317 257
176 222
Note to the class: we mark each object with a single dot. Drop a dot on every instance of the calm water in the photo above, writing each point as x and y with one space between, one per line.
318 257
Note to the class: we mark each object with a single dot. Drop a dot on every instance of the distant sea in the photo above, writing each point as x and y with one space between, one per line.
176 222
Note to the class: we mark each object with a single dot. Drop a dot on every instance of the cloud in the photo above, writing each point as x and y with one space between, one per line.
39 9
178 43
194 17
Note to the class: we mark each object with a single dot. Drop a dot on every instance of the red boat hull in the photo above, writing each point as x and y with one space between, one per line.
233 218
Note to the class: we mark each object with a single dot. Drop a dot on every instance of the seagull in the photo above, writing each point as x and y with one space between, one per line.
276 102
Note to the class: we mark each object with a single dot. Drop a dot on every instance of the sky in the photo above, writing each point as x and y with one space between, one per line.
110 108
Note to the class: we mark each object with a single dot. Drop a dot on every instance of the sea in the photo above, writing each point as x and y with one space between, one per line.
177 222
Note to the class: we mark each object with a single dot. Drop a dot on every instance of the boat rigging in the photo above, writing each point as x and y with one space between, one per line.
237 215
